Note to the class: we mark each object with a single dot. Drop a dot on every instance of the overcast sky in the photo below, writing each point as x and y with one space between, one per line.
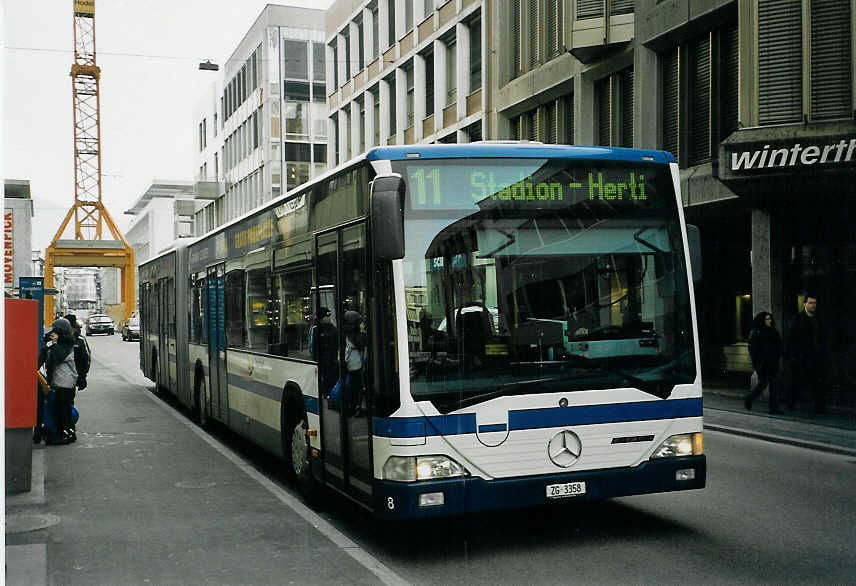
148 52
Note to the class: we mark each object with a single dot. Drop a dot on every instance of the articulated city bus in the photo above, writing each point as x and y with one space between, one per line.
439 329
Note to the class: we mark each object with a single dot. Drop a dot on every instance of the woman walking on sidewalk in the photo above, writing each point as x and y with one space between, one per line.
765 348
58 357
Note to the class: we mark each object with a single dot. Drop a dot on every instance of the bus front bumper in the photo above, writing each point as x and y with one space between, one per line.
401 500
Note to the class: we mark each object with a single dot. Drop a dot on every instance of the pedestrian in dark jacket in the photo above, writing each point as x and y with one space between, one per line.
82 360
324 345
58 357
765 348
807 355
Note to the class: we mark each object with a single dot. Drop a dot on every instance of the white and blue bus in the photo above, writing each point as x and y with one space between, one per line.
440 329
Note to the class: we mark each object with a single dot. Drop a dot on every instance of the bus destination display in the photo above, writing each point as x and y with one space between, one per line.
455 186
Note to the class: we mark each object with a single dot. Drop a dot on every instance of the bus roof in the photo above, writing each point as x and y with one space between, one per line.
522 149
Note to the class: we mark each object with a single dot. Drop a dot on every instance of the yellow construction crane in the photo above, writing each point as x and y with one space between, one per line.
88 248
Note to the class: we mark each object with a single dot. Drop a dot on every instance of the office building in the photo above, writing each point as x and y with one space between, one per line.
402 72
262 126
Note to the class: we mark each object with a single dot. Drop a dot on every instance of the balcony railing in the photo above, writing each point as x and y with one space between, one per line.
428 126
474 102
426 27
407 43
374 68
450 115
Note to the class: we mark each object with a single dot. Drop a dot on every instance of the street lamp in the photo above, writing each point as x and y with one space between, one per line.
208 66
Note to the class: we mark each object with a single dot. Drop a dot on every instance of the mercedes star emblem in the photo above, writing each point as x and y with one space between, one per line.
564 448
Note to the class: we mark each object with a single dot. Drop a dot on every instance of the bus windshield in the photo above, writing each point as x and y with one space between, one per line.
543 275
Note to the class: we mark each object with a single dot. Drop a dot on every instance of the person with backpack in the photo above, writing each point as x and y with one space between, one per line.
58 357
82 360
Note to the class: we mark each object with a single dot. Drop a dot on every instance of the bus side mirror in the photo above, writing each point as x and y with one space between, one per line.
694 243
387 221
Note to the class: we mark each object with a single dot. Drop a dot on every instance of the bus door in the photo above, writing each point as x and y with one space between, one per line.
343 381
216 324
163 333
144 325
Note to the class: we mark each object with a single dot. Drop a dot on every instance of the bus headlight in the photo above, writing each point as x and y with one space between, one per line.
413 468
683 444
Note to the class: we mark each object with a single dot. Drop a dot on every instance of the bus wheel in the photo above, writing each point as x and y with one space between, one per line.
155 376
297 455
200 411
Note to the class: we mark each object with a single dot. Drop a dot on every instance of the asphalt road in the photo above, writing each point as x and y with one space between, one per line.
771 513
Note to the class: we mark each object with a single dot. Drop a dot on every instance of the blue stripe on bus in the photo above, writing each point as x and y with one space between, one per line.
534 151
614 413
399 427
256 387
492 427
269 391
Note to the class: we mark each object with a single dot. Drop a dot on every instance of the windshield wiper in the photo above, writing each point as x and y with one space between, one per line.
657 388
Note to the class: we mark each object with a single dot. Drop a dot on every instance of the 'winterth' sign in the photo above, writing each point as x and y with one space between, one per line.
796 155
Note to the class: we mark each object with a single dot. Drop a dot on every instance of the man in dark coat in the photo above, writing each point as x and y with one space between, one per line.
324 345
807 355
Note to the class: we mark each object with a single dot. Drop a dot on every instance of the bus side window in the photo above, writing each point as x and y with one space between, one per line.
257 308
278 344
291 314
236 332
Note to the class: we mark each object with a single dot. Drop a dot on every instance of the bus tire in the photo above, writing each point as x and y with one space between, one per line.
155 372
296 449
200 411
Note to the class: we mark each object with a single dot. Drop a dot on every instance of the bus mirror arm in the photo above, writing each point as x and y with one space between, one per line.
694 243
387 219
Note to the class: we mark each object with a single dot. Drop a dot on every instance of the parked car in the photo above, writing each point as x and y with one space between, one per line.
131 329
100 324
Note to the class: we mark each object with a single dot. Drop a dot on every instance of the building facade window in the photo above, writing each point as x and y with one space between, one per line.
786 93
361 45
375 32
536 32
614 109
346 50
516 45
451 71
376 99
551 122
362 137
408 15
699 98
429 83
335 69
475 54
392 128
589 9
390 24
553 17
408 76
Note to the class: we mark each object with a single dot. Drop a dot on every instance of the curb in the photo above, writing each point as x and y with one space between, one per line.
801 443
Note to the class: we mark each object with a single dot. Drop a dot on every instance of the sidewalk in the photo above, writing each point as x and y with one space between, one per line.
144 497
830 432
